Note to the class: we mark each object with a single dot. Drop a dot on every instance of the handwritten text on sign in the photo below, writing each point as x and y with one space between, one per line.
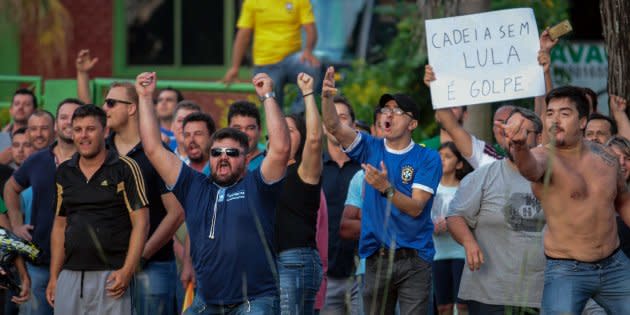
486 57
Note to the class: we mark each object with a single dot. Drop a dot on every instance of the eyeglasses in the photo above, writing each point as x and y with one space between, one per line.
111 102
396 110
231 152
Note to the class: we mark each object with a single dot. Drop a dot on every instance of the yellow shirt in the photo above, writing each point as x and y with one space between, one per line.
277 27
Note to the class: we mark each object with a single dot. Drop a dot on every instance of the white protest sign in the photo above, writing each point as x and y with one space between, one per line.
483 58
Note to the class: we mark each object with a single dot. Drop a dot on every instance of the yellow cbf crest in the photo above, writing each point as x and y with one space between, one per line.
406 174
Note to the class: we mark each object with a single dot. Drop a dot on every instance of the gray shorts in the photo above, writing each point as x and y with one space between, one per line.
83 292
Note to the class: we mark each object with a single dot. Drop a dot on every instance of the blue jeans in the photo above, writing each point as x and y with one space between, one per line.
267 305
37 304
300 271
286 71
154 289
569 284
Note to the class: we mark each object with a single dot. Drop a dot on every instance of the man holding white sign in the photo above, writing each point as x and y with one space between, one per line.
473 53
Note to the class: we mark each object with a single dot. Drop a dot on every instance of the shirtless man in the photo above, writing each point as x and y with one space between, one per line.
583 189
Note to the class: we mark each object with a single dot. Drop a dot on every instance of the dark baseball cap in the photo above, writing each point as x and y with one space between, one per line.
403 101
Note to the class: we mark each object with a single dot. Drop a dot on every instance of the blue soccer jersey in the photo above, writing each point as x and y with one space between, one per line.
414 167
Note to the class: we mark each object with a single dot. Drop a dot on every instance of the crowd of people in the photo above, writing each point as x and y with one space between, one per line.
140 199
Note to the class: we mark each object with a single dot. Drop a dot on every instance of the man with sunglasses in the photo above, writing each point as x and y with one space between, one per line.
38 172
154 291
231 215
396 220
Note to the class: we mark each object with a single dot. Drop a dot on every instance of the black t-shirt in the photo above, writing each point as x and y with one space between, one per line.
155 189
335 182
98 211
296 214
5 173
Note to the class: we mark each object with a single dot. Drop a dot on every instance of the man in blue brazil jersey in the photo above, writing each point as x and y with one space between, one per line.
396 222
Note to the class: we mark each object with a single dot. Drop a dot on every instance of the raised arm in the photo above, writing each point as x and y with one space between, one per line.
274 165
243 37
448 121
344 134
544 59
165 162
618 107
84 64
310 169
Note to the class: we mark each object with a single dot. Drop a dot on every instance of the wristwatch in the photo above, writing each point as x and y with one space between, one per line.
388 192
266 96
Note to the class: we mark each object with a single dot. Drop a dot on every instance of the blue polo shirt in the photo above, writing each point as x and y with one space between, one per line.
38 172
231 231
409 168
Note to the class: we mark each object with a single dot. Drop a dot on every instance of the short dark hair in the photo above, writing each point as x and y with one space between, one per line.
19 131
186 104
200 117
467 168
343 100
91 111
574 94
68 101
375 114
231 133
300 124
178 93
44 113
244 108
593 97
24 91
362 125
613 125
529 115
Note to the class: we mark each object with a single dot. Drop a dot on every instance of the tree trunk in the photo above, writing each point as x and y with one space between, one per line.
616 23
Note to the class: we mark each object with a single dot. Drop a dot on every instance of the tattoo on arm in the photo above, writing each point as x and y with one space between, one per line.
606 156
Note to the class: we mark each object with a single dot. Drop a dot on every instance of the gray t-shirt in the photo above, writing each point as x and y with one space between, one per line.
507 222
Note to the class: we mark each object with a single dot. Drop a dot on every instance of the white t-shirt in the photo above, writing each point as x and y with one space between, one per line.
482 153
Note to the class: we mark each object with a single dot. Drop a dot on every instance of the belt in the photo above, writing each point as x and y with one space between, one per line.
401 253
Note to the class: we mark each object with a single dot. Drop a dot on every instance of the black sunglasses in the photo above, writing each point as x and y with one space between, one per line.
111 102
231 152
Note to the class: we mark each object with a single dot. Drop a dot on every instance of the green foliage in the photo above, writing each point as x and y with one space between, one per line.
5 117
548 12
401 61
